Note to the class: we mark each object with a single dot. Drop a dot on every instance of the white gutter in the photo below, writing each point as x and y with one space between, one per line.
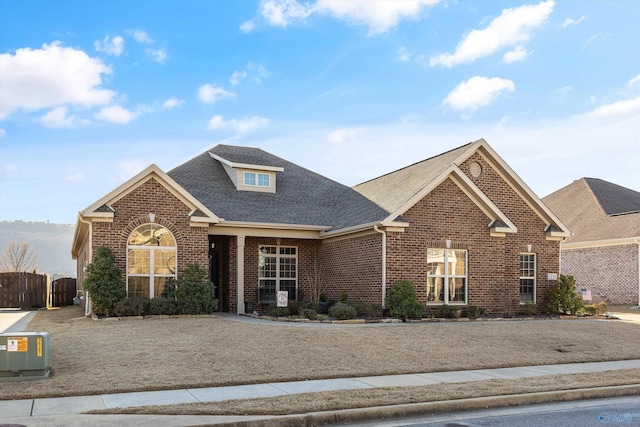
384 263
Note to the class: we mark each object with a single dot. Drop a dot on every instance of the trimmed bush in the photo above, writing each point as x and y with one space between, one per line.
563 296
309 313
194 292
342 311
167 306
276 311
104 282
369 310
473 312
131 307
403 301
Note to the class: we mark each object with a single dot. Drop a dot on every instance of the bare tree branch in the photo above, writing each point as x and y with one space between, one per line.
18 256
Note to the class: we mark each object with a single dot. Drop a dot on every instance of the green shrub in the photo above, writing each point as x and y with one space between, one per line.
342 311
403 301
104 282
292 305
309 313
528 309
601 308
313 305
276 311
588 310
131 307
369 310
167 306
343 297
194 292
473 312
444 311
322 297
563 296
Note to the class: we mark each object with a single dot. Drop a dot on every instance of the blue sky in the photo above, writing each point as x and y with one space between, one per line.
92 92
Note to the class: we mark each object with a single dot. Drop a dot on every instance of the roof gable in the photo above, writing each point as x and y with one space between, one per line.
103 206
398 191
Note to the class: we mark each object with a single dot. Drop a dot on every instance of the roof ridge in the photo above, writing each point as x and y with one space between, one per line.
416 163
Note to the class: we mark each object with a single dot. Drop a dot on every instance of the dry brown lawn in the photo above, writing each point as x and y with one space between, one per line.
95 357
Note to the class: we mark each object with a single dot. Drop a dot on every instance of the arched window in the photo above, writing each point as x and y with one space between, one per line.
151 261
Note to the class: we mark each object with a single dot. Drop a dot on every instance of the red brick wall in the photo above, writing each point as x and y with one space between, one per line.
307 250
133 210
493 262
353 265
610 272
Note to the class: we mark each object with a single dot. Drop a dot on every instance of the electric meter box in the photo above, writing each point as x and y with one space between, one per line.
24 356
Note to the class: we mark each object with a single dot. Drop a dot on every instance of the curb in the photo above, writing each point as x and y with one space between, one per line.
431 408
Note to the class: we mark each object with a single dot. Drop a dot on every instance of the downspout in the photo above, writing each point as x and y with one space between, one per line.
384 264
87 302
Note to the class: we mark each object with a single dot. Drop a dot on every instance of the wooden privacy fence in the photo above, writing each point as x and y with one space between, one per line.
29 290
63 291
23 290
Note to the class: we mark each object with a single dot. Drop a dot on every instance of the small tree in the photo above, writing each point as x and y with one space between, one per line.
195 292
403 301
563 296
104 282
18 257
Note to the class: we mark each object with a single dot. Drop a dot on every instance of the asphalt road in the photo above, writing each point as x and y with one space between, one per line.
615 412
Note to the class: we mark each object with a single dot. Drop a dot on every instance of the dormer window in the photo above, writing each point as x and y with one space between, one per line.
250 176
258 179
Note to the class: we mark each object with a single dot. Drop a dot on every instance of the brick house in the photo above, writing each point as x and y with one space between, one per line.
603 254
462 226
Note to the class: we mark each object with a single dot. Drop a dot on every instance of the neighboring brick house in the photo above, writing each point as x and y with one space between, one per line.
603 254
462 226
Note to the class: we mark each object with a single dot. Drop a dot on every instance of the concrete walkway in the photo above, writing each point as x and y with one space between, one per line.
29 411
67 411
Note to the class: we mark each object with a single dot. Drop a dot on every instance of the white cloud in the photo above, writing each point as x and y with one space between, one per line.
78 177
595 37
340 136
281 13
634 81
513 27
113 46
140 36
477 92
378 15
116 114
3 133
33 79
241 126
570 21
210 94
158 55
57 119
247 27
403 55
255 72
173 102
518 54
628 107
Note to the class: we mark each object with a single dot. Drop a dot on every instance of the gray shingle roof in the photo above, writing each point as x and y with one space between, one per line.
302 197
596 215
393 190
614 199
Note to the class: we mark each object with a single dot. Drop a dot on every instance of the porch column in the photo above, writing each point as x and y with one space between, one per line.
240 273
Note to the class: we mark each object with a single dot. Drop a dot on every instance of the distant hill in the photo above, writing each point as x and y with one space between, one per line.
51 242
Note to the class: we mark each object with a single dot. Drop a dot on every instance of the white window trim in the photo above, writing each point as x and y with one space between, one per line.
152 275
278 256
534 277
446 276
271 188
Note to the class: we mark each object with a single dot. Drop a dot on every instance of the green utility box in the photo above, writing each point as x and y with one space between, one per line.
24 356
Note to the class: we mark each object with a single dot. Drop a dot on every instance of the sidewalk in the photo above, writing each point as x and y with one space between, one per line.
67 411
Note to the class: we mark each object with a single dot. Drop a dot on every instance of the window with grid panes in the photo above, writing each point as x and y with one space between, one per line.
446 276
527 278
277 271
